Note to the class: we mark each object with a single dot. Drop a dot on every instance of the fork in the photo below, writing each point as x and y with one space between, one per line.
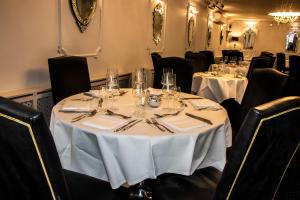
91 114
109 112
158 125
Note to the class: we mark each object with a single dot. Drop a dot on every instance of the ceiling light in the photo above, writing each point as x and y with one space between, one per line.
285 17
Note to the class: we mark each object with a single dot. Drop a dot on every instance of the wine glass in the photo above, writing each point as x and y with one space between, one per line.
168 81
112 86
139 97
139 75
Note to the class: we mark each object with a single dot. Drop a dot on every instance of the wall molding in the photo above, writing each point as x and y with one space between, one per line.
67 52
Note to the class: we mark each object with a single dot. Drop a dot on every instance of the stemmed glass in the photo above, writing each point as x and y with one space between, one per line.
112 86
139 77
168 82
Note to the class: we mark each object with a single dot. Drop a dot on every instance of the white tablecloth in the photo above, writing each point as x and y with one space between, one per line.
219 88
142 151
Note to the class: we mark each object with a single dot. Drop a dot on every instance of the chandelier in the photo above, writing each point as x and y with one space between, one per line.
285 17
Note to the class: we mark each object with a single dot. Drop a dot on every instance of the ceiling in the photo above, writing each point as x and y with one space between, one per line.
257 9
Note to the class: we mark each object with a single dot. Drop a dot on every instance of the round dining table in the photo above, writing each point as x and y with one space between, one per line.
96 145
219 87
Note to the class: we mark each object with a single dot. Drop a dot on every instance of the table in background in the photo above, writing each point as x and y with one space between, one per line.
142 151
219 88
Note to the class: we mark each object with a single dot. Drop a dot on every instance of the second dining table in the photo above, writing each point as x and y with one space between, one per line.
94 146
219 87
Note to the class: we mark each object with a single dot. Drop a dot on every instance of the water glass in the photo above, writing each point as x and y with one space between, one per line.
139 97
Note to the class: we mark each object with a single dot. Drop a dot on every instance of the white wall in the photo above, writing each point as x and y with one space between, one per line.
269 37
29 35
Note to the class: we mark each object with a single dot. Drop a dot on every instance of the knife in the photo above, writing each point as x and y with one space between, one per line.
131 125
199 118
187 98
124 126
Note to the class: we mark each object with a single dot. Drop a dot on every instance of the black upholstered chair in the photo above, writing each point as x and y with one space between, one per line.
264 163
183 70
199 61
29 164
264 85
258 62
294 67
232 54
266 53
69 76
280 62
210 56
157 72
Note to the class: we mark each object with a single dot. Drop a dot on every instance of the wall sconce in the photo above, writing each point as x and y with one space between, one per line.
250 24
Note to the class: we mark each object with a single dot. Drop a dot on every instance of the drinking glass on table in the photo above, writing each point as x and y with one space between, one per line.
112 87
139 97
168 82
139 75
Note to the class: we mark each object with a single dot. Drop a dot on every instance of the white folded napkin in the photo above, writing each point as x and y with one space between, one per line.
80 106
94 93
183 123
203 103
104 122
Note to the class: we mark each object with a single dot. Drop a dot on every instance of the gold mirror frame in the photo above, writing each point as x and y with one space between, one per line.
191 25
158 20
83 14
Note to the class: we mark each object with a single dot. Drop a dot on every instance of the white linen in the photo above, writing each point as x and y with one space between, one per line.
183 123
203 103
76 105
142 151
219 88
104 122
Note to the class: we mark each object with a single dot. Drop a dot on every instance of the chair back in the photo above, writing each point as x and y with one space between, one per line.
157 72
263 86
183 70
266 53
210 56
294 67
258 62
69 76
199 62
30 167
280 62
263 153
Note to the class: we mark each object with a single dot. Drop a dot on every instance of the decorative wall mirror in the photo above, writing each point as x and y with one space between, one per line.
191 25
83 11
158 20
291 41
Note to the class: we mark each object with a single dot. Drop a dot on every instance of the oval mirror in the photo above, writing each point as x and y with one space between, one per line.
83 11
158 20
191 24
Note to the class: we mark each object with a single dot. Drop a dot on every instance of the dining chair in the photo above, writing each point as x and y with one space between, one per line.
294 67
264 85
280 62
264 163
199 62
258 62
29 164
157 72
68 75
266 53
210 56
183 70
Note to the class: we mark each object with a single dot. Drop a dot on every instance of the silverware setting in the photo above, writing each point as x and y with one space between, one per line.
209 108
121 93
187 98
90 114
160 126
167 114
109 112
82 99
199 118
128 125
